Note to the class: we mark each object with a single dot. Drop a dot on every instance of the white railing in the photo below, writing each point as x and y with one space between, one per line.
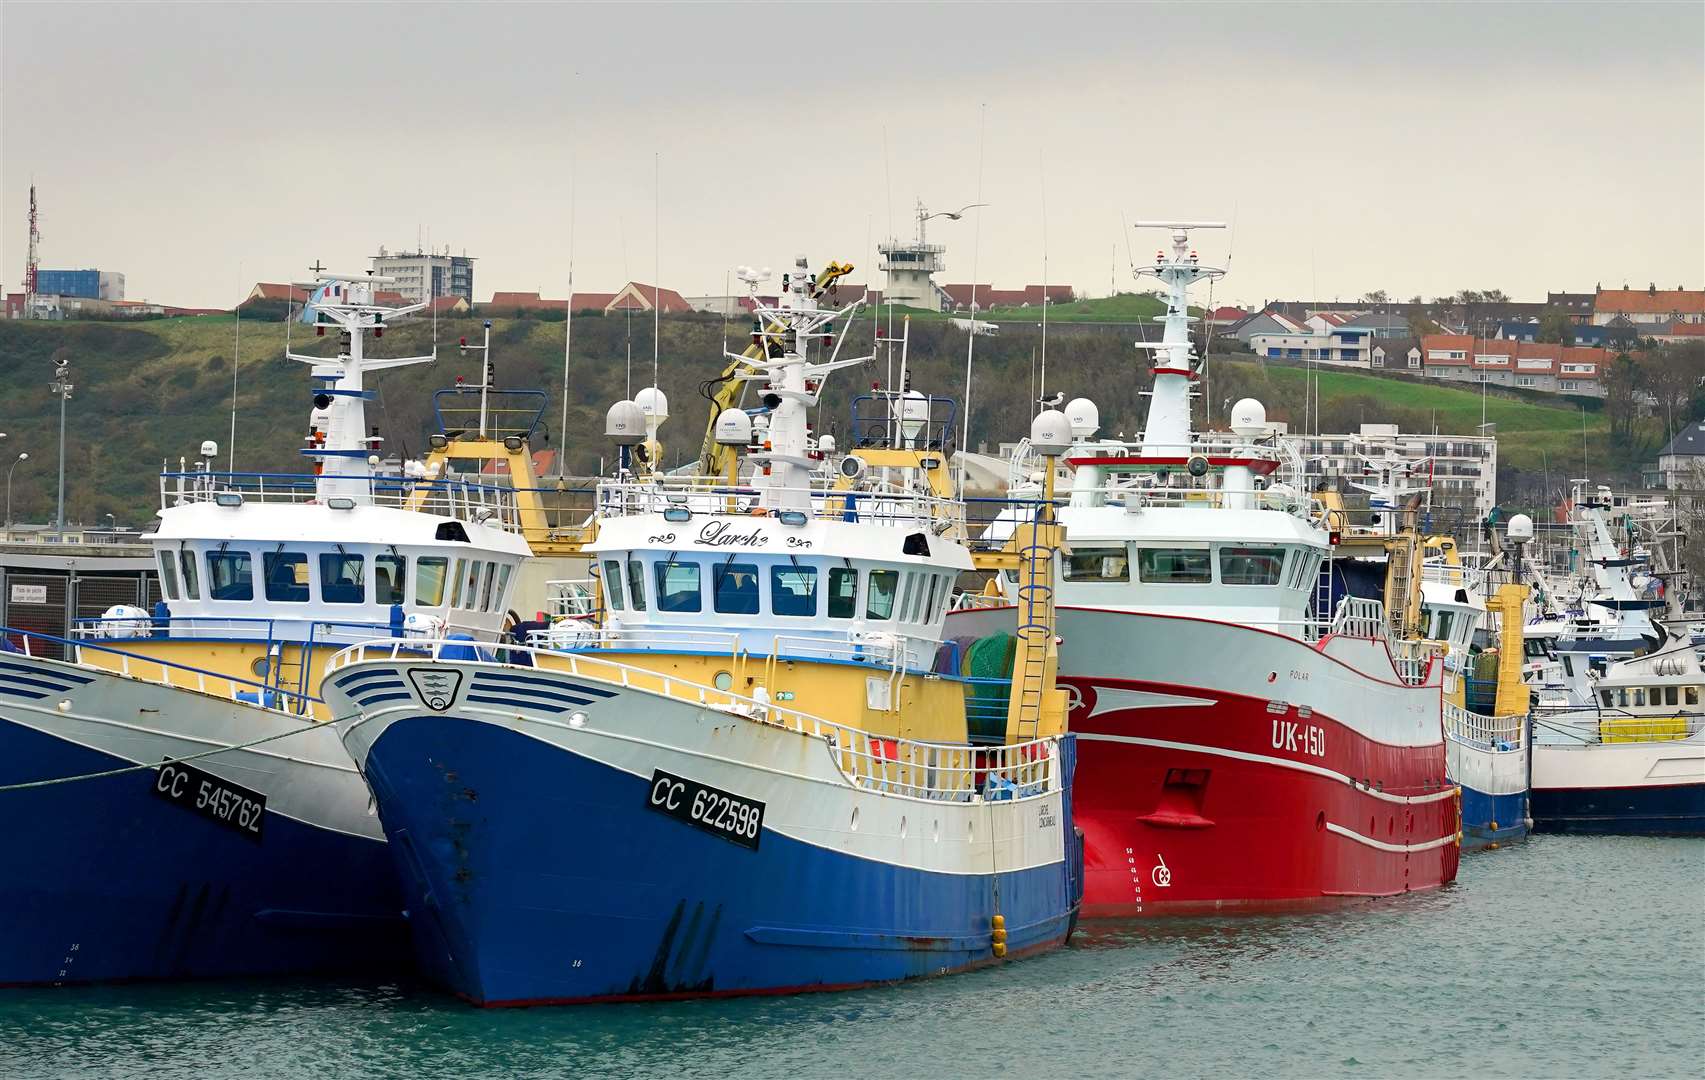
870 501
465 500
1494 732
570 598
888 764
1359 617
576 634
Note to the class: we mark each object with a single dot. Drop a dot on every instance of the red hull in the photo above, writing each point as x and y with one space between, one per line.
1218 817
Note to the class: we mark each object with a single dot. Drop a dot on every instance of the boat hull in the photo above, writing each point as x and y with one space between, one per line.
1495 807
1225 768
107 879
542 868
1650 788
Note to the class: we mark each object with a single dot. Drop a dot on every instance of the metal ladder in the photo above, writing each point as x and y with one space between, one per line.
1035 627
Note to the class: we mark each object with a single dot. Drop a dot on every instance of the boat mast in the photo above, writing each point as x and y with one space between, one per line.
341 447
1167 431
793 383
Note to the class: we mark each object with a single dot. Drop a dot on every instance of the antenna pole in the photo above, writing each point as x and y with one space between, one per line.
568 332
976 253
236 358
1044 174
656 264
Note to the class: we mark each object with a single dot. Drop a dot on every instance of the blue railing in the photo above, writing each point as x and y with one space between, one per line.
262 690
320 632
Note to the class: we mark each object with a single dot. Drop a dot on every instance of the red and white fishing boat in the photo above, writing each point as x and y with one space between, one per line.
1251 735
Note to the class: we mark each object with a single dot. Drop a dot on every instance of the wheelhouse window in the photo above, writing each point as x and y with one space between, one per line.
286 576
1251 565
502 591
929 605
192 587
390 575
488 585
735 587
910 595
1097 564
1174 566
340 578
880 603
471 585
456 584
230 576
1442 625
793 590
613 584
168 574
1670 697
1609 697
1690 694
429 577
843 592
636 583
678 587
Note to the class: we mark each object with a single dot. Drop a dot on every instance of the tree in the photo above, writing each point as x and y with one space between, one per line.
1671 374
1556 328
1621 397
1377 296
1416 300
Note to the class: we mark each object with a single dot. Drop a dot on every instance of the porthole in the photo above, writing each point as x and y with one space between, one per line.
260 667
855 819
723 680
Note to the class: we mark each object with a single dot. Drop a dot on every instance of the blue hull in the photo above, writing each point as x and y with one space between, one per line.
536 875
104 881
1676 810
1492 819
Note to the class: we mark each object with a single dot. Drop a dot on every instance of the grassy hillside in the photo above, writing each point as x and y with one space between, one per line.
1122 308
151 391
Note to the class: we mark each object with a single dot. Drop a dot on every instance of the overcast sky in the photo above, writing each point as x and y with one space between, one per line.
198 148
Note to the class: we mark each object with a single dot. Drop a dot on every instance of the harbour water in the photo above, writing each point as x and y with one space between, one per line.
1566 956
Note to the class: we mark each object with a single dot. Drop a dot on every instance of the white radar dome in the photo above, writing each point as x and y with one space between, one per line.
1084 417
625 424
914 414
653 403
1249 418
826 444
1050 433
1520 529
733 428
209 448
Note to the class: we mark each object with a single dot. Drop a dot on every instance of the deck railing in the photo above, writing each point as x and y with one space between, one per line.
869 502
177 676
889 764
455 497
1492 732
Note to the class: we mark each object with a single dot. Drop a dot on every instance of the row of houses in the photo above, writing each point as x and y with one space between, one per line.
1554 369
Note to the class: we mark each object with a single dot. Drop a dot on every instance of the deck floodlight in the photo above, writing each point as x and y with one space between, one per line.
341 502
791 517
228 498
677 514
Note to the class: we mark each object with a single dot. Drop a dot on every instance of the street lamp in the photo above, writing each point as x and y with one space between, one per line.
21 457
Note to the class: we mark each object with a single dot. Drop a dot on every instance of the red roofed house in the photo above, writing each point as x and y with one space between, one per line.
645 297
987 296
1524 365
267 290
1223 317
1650 306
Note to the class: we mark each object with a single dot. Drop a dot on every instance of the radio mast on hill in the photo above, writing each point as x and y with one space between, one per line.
30 259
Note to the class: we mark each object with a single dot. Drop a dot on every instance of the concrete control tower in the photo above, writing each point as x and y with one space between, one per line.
909 265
